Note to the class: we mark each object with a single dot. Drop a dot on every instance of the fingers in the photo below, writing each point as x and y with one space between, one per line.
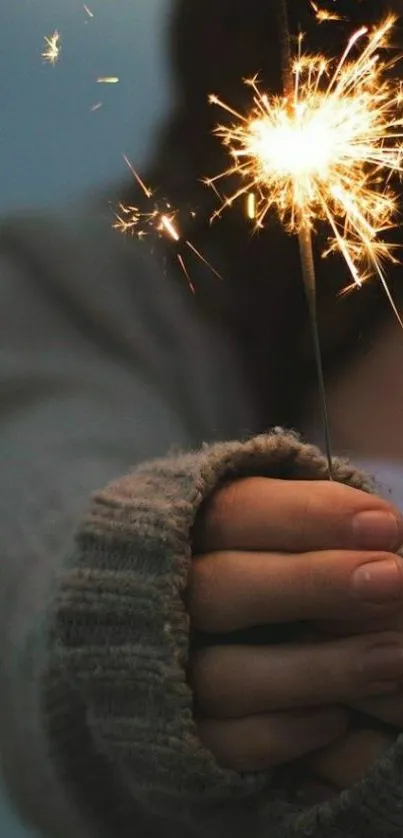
386 708
231 590
258 742
360 623
285 515
346 761
236 681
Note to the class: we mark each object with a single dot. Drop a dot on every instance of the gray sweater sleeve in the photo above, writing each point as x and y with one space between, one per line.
103 364
118 646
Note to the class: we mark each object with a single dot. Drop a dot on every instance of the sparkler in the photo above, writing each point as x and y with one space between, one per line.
325 151
324 15
160 220
52 49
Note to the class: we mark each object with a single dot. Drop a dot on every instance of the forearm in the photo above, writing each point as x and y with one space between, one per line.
53 458
104 363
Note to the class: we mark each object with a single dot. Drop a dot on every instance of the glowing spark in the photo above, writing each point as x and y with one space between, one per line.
251 206
161 219
323 15
108 80
88 11
52 49
168 225
147 191
326 151
128 218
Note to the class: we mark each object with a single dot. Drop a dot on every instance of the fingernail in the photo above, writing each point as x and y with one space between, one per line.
377 530
382 661
378 581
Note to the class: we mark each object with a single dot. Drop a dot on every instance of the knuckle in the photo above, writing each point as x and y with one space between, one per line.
322 502
342 502
351 500
338 502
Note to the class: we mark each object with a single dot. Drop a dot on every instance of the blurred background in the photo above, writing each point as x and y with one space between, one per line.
53 143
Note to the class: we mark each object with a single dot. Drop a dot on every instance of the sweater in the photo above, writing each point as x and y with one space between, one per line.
118 401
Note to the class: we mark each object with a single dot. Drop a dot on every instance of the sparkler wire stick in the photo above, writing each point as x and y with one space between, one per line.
325 151
305 246
308 275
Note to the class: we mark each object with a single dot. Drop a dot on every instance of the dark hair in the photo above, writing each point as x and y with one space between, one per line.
214 45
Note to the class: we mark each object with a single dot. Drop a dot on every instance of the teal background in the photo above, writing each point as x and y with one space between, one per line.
52 147
51 144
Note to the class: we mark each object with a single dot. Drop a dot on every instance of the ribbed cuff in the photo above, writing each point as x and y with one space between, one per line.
121 629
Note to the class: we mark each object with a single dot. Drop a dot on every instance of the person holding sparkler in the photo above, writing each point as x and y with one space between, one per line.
220 626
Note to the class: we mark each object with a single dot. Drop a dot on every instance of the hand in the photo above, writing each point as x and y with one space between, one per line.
273 551
344 762
341 764
379 722
387 708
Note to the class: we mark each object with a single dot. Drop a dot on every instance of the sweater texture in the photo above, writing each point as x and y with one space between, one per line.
114 386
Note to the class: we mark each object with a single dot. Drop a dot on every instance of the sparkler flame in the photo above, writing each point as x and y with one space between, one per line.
325 151
51 53
161 219
324 15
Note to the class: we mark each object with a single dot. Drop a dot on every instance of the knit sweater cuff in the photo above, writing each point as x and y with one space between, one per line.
121 631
